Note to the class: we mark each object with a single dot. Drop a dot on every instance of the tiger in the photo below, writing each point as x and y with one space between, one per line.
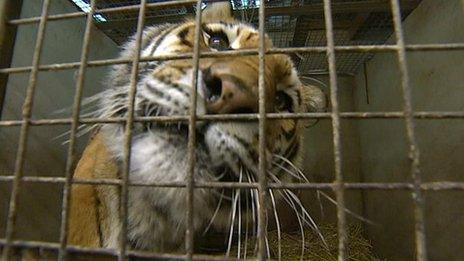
226 151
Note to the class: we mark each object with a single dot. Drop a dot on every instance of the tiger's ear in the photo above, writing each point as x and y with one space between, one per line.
285 72
218 11
314 99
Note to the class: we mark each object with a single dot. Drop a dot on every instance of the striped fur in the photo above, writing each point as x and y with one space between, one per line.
225 150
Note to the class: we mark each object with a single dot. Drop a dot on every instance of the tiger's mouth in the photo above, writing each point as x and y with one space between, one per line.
228 145
231 168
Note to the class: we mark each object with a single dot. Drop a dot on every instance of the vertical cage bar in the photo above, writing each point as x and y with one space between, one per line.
338 188
418 200
23 138
128 133
189 233
74 129
9 9
262 175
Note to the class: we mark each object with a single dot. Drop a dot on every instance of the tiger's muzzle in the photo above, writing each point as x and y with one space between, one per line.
226 92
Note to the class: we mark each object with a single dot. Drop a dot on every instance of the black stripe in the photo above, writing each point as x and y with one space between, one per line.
155 91
249 36
162 36
146 67
180 89
154 35
288 134
225 23
182 34
298 94
249 148
174 86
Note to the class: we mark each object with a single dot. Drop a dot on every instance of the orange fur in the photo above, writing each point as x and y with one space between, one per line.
84 224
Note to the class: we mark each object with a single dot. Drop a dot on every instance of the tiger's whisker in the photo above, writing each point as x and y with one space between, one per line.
288 171
267 247
318 195
62 135
232 223
276 216
298 171
311 222
292 206
239 216
259 206
318 192
214 214
246 225
253 206
256 209
346 210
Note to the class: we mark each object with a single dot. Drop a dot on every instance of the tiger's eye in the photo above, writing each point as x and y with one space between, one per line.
218 42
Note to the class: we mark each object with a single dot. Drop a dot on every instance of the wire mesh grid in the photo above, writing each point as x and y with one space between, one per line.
370 26
329 50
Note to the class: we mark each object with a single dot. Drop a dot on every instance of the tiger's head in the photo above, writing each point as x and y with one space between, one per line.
226 85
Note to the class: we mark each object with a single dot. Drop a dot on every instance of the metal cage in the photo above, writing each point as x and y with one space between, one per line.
9 11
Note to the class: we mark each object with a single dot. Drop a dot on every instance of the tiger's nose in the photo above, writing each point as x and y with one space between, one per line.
227 94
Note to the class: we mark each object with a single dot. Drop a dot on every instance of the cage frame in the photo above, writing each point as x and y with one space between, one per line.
338 186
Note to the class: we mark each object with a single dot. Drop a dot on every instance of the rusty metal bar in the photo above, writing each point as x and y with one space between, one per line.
74 129
431 186
289 50
128 133
135 8
8 9
191 146
308 9
418 200
338 186
138 255
420 115
338 189
22 144
262 168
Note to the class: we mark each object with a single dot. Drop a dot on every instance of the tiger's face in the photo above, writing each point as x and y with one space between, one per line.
226 85
225 150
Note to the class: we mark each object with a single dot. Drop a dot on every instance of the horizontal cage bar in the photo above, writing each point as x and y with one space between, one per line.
24 244
289 50
438 185
337 186
424 115
159 5
312 8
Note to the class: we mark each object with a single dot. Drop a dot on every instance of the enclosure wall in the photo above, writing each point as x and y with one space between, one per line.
437 82
40 207
318 155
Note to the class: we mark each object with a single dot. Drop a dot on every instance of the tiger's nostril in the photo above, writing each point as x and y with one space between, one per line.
213 89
